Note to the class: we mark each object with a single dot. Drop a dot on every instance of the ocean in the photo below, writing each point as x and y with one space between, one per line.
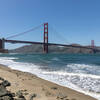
80 72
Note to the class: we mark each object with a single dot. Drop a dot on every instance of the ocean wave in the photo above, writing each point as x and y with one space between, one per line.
86 83
12 53
83 68
9 61
8 58
55 59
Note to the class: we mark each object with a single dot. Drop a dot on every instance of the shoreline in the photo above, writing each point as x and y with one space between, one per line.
44 89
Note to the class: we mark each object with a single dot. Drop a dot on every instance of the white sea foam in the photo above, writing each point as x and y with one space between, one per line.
77 81
12 53
6 58
55 59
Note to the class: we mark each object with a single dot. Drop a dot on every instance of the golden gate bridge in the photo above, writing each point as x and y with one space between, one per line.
45 42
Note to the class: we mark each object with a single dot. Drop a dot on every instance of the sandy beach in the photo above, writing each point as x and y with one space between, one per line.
44 90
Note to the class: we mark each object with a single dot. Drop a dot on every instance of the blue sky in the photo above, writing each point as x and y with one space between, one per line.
77 21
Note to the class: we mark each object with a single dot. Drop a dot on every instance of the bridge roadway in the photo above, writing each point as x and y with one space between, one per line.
30 42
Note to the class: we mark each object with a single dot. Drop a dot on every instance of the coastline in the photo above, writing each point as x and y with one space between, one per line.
44 89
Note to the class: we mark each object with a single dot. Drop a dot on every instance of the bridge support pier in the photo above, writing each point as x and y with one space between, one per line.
1 44
45 45
2 48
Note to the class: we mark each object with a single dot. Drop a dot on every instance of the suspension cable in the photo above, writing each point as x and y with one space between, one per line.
30 30
59 35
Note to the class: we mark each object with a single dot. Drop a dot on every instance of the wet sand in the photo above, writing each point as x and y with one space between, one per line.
44 90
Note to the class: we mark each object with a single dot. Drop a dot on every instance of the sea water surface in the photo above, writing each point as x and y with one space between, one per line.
80 72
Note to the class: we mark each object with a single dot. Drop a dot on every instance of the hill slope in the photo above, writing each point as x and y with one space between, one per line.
52 49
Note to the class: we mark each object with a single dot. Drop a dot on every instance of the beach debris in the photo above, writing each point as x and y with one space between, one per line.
3 91
32 96
6 98
54 88
5 83
48 93
4 94
20 96
24 92
7 95
61 96
2 79
43 89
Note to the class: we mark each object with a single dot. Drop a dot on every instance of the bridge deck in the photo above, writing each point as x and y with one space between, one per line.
30 42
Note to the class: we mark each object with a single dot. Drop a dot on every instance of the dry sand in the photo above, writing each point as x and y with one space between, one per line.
45 90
